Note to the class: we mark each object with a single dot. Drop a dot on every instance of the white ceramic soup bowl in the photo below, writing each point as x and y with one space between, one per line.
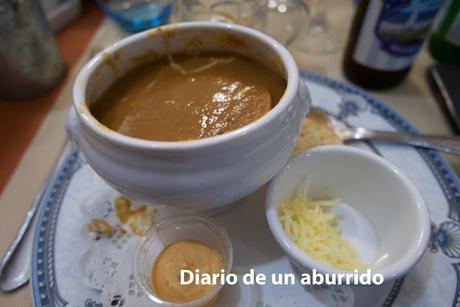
377 193
198 174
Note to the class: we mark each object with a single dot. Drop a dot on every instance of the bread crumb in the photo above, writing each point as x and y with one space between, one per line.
100 227
316 130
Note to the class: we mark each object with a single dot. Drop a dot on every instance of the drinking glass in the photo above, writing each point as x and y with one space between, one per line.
318 38
285 19
137 15
249 13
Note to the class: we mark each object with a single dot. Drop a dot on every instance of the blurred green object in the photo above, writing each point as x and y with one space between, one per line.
445 40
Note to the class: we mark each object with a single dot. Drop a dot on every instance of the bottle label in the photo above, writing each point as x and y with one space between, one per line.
392 32
453 34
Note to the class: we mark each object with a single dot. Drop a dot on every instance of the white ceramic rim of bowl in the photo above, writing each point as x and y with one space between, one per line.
79 90
390 271
222 233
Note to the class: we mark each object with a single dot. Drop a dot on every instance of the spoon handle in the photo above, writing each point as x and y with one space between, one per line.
14 265
442 143
447 144
12 278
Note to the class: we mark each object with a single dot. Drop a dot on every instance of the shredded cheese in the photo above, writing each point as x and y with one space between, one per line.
314 229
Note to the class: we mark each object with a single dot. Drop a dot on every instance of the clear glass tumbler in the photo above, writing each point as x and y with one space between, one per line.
251 13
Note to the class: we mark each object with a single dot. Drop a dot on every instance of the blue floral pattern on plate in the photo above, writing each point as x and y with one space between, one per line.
444 249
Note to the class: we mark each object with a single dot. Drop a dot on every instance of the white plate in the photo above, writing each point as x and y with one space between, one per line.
434 281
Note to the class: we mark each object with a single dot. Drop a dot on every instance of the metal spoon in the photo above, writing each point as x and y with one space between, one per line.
447 144
15 263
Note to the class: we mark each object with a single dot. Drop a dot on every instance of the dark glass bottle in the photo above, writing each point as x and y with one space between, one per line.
385 38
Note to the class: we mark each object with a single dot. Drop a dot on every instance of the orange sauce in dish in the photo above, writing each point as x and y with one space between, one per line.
180 255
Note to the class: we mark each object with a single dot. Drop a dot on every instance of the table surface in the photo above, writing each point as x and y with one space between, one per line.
412 99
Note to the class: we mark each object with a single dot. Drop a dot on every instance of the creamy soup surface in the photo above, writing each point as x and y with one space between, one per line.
188 97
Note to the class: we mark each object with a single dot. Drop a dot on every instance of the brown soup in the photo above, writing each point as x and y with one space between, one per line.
189 97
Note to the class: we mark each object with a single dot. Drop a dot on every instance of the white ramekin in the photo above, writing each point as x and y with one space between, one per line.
373 187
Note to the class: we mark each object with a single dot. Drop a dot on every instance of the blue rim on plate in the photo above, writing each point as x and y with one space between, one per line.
44 287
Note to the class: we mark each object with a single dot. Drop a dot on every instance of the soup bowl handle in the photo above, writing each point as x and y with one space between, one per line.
72 126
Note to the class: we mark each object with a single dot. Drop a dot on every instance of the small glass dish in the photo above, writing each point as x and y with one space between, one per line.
172 229
137 15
